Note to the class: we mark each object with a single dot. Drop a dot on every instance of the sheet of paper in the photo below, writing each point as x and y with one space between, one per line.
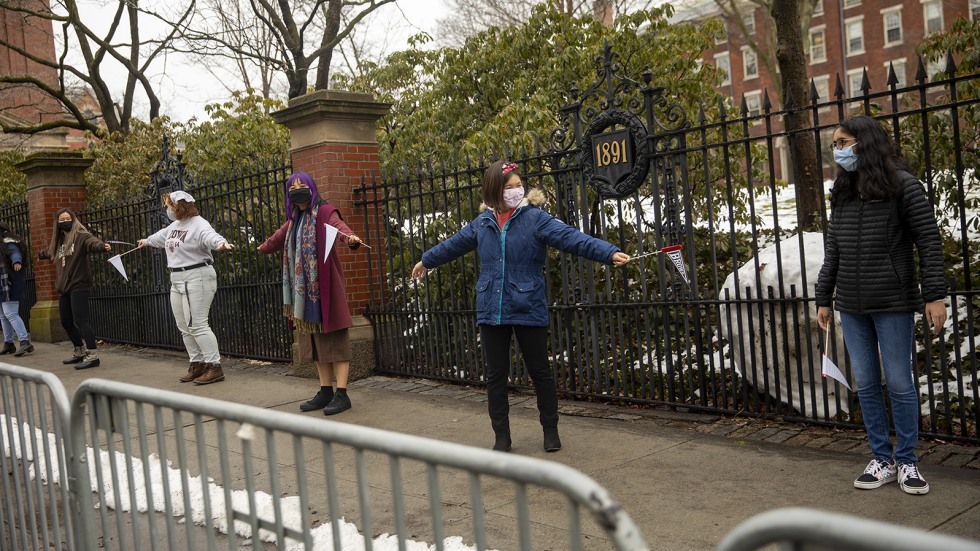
329 237
116 262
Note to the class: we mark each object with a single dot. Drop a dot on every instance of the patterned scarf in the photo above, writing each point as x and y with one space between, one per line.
300 280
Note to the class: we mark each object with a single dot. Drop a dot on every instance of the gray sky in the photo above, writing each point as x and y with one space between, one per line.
184 87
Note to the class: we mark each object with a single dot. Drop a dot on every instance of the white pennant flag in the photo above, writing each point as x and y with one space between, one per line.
329 237
676 256
116 262
829 368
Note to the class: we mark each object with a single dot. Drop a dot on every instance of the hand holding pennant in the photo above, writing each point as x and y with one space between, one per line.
829 368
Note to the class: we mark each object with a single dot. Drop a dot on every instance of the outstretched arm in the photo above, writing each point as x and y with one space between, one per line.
456 246
276 241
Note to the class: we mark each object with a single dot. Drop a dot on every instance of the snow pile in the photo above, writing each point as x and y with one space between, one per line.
322 536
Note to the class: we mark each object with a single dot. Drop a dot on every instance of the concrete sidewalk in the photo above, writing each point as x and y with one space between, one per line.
685 479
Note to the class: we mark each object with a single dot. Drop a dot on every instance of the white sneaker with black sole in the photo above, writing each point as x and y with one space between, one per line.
911 480
876 474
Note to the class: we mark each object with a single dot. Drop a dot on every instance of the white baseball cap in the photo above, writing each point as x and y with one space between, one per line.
181 196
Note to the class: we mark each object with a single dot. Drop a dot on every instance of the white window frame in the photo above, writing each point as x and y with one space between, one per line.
728 58
749 25
747 50
974 9
818 8
925 19
847 37
884 25
757 95
854 91
719 40
899 62
851 3
823 81
819 29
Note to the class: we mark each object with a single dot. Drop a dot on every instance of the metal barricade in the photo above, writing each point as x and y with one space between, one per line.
800 529
311 483
35 504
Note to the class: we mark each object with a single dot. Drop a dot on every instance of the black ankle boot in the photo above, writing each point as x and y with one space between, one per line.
551 441
502 442
8 348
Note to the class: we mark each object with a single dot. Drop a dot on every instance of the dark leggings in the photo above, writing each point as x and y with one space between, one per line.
73 309
533 341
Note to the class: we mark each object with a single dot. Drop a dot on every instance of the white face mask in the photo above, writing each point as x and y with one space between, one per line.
513 197
171 214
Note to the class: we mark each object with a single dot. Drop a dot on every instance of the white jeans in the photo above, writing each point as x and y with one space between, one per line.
191 293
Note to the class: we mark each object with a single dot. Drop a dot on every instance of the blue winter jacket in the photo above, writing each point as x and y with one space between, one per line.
511 287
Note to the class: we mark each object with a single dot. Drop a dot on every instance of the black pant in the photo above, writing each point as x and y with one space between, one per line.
73 308
533 341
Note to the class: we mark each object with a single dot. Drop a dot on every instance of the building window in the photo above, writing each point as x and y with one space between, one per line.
854 79
974 10
892 19
750 63
854 31
724 62
818 45
749 21
753 103
818 7
822 85
932 12
899 66
851 3
722 36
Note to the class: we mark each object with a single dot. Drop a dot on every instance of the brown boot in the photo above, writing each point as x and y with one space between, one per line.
212 374
195 370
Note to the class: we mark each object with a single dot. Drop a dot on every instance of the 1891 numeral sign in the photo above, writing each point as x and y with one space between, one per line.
614 158
611 153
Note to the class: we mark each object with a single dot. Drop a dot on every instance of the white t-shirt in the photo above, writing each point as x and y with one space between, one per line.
187 242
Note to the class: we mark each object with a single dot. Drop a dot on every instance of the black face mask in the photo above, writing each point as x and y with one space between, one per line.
65 226
300 195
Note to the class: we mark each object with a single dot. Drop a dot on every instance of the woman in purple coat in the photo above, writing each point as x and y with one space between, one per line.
313 292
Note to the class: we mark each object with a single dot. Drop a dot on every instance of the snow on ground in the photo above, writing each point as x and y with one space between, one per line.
351 538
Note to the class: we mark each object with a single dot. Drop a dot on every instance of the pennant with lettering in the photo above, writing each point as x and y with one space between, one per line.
117 263
676 256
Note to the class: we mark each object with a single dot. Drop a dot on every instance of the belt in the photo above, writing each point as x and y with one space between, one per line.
185 268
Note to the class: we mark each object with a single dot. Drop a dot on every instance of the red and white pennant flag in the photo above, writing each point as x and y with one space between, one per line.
676 256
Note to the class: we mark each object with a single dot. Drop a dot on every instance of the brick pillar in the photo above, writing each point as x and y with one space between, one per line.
333 138
54 181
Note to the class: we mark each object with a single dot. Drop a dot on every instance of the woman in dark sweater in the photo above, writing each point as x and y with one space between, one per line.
12 292
70 246
879 212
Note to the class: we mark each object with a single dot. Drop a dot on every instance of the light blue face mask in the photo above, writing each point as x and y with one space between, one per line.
846 158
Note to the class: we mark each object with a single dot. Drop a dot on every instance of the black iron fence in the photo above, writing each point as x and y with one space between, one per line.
246 315
17 217
741 337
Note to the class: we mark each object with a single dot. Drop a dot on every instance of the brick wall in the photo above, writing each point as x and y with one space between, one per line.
34 35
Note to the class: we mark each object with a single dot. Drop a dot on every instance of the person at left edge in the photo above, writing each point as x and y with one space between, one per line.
71 244
12 291
189 240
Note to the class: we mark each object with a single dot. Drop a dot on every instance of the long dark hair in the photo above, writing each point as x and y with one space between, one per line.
877 166
77 228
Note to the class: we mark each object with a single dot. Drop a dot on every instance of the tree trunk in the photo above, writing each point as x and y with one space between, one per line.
330 31
804 159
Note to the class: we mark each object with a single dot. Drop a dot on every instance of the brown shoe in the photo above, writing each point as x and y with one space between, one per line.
195 370
212 374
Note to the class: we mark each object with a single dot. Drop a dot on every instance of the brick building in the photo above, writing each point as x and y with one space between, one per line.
22 104
875 35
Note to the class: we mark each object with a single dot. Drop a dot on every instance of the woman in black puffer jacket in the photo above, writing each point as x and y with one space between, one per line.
879 210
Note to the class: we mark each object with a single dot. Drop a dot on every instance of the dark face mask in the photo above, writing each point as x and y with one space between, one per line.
65 226
300 195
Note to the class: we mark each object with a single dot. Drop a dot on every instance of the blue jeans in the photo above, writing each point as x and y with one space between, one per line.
891 333
13 326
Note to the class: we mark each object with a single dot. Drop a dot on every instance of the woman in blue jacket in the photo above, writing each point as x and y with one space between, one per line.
512 236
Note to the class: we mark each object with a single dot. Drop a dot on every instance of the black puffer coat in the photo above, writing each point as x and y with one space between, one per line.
869 258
